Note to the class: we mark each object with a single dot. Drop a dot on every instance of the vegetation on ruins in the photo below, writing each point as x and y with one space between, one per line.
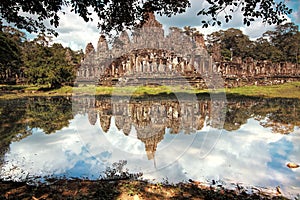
119 15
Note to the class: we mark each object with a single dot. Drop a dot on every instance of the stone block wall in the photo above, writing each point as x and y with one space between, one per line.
176 59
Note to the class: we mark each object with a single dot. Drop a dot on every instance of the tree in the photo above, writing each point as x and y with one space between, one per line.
49 114
37 61
10 54
280 45
52 65
59 69
232 43
264 50
286 38
113 14
122 14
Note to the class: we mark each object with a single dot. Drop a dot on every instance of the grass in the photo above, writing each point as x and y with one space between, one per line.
133 90
151 90
287 90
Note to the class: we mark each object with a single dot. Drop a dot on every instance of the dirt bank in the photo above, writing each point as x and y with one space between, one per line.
121 189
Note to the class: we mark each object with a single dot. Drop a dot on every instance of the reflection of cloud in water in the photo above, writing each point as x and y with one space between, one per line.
119 140
252 155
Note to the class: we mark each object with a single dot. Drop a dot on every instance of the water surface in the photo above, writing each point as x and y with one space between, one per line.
163 138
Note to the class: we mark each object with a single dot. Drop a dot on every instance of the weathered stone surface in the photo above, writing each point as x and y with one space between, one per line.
177 59
102 45
89 49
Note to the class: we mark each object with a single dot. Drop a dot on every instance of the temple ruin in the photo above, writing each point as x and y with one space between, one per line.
149 57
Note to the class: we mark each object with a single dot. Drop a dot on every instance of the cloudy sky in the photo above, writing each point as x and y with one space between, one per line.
75 33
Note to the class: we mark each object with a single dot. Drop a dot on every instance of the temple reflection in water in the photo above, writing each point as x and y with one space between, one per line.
159 135
150 118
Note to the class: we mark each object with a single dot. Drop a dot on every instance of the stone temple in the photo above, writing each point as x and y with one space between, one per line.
149 57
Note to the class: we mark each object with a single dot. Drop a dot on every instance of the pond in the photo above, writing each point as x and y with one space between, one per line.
245 141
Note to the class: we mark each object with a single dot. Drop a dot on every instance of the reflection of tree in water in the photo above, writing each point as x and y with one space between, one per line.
12 118
282 115
238 113
117 171
19 116
49 114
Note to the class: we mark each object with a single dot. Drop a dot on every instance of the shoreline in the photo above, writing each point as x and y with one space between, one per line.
287 90
128 189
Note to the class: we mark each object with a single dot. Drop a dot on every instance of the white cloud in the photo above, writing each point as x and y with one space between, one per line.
75 33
